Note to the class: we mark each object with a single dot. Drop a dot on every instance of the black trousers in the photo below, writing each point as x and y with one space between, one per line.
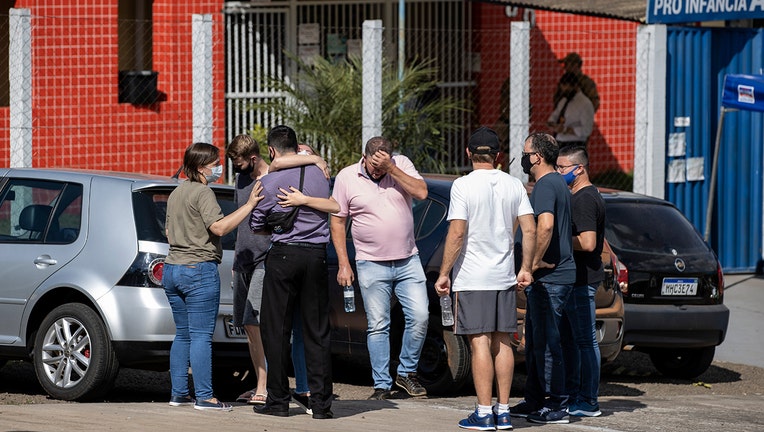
297 275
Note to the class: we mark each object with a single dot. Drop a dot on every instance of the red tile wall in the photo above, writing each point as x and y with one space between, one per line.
77 120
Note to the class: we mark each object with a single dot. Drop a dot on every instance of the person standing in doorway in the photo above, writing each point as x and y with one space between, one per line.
573 118
573 63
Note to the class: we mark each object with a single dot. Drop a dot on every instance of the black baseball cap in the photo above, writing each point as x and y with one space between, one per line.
484 141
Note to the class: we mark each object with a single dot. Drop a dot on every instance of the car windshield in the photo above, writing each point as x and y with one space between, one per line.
650 227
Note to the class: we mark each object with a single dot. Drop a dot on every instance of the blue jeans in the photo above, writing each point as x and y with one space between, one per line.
579 344
298 354
378 281
193 291
542 333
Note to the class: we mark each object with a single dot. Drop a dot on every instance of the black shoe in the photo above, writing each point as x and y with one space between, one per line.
411 385
303 401
549 416
269 409
522 409
321 415
380 394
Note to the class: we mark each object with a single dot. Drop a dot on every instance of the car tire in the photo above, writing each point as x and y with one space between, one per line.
72 355
444 366
685 363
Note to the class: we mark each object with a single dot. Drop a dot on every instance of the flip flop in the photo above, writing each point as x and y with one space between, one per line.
257 399
246 396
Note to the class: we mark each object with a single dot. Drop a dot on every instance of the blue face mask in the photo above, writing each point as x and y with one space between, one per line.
570 177
215 174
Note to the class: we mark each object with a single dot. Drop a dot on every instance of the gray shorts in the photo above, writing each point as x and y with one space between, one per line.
486 311
247 296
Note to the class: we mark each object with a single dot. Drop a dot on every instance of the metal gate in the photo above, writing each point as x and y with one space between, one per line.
256 37
255 43
698 60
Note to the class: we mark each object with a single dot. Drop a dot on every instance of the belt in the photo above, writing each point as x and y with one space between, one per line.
302 244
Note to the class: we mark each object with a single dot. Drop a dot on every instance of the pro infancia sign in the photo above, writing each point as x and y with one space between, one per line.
684 11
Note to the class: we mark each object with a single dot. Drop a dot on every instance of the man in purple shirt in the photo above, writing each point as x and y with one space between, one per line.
295 274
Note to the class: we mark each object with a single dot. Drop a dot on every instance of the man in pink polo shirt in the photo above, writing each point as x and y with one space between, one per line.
376 193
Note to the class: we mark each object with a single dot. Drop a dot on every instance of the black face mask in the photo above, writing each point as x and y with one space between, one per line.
247 170
525 162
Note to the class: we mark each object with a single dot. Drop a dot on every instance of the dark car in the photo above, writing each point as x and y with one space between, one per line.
672 284
445 362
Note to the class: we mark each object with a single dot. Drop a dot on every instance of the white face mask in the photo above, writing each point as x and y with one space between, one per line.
216 173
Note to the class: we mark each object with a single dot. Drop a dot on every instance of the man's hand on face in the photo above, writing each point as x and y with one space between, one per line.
381 160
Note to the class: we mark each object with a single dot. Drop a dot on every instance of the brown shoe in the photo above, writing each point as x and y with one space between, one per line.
411 385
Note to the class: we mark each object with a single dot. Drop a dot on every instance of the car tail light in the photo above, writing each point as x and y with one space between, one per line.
145 271
720 281
623 277
155 270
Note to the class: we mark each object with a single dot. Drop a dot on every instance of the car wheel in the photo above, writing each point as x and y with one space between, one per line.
444 366
683 363
73 357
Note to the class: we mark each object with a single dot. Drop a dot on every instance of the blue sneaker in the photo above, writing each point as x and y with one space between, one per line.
476 422
584 409
502 421
549 416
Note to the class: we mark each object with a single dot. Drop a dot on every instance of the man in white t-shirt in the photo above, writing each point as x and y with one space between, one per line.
376 193
486 207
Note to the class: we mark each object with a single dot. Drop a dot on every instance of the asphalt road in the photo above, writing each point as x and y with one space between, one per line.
634 397
744 344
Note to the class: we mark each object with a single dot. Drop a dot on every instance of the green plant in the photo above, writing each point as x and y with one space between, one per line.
260 134
323 103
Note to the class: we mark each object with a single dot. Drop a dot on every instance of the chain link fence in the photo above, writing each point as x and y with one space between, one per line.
128 94
113 94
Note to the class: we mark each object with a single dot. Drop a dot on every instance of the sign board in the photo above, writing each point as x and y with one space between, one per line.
686 11
745 92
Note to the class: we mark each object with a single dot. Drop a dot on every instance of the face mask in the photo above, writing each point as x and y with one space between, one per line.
525 162
216 173
247 170
570 177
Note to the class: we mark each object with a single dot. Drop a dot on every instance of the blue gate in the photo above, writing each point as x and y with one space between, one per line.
698 59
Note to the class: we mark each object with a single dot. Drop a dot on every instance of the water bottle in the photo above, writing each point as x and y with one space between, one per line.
446 314
349 294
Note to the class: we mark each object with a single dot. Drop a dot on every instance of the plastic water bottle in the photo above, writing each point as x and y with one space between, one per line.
349 294
446 314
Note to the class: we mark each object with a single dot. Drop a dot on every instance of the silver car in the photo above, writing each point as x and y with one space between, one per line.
80 281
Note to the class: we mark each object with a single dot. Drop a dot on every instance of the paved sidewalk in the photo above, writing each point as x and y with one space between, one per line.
642 413
744 296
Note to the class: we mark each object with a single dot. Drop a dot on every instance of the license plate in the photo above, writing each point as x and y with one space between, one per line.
679 287
231 330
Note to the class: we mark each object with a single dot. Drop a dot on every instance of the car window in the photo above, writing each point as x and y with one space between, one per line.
150 207
428 214
40 211
644 226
